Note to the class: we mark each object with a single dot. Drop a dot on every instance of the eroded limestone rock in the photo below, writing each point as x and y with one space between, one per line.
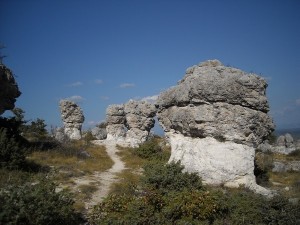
72 117
115 118
130 123
214 118
139 121
284 144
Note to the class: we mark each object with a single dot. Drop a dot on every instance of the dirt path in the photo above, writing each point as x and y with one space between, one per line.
105 178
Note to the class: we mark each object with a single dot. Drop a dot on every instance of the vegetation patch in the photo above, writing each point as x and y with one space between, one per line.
74 158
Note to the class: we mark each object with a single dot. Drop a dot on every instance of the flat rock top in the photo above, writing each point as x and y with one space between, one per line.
211 81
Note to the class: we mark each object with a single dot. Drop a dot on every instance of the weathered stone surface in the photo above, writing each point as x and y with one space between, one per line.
265 147
215 118
284 144
116 132
99 133
130 123
139 121
115 118
59 134
217 101
225 163
72 117
9 90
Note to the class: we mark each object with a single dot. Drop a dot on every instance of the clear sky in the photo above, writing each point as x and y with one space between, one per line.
102 52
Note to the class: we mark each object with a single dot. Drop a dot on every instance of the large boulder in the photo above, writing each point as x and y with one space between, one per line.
115 118
139 121
130 123
72 117
215 118
9 90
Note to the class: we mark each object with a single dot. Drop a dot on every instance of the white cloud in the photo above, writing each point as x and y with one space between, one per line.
76 84
127 85
298 101
75 98
104 97
99 81
151 99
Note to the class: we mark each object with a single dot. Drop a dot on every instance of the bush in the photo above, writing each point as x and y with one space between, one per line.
13 147
151 150
246 207
170 177
192 206
36 204
36 130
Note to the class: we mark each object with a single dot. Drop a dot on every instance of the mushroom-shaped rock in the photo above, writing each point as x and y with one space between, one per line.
214 118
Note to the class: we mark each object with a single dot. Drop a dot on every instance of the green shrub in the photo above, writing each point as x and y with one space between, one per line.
36 130
190 206
170 177
13 147
246 207
149 150
36 204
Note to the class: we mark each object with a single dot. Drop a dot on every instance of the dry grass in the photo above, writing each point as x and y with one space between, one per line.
287 179
288 183
131 161
66 161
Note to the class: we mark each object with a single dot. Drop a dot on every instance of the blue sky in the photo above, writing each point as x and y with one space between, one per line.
107 52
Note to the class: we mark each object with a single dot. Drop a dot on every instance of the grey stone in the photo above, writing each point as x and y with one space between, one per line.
59 135
130 122
9 89
72 117
214 119
99 133
115 118
284 144
84 154
265 147
217 101
139 121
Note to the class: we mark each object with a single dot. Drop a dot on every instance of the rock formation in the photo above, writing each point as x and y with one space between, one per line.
284 144
115 118
72 118
99 133
139 121
9 90
130 123
215 118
